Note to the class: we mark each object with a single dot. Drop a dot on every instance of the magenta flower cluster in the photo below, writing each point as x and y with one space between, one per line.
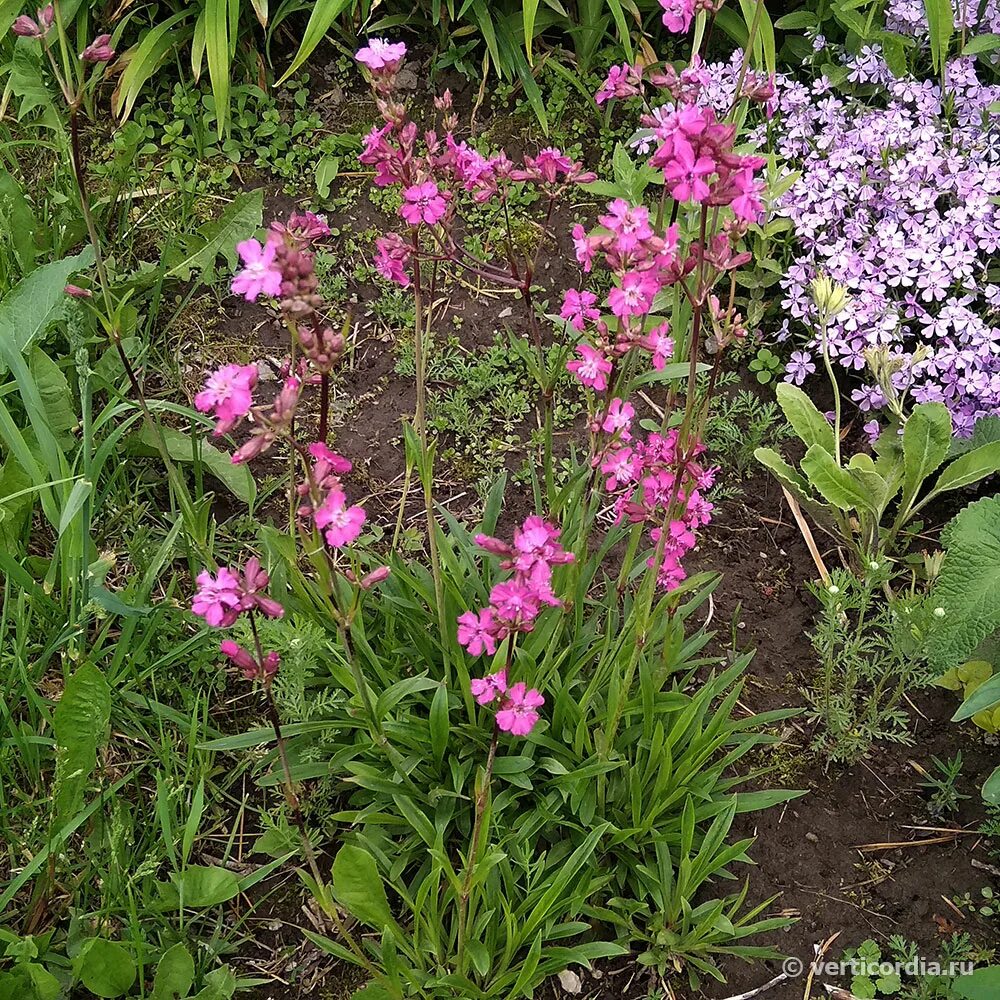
517 602
222 597
514 606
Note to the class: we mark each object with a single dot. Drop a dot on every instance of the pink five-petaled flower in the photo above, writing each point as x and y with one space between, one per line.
629 223
578 307
259 274
218 598
593 368
99 50
635 296
423 203
685 174
517 714
677 15
477 632
487 689
622 81
618 418
228 395
381 56
583 247
660 343
342 524
391 259
337 463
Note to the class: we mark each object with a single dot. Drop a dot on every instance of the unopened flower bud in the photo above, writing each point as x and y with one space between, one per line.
240 657
76 292
376 576
830 297
939 612
99 50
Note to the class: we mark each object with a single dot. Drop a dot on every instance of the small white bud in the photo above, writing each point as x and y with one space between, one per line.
834 589
939 612
873 565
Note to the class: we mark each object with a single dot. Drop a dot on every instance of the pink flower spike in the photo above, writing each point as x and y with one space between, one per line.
592 370
477 632
423 203
260 274
219 598
488 689
228 395
517 716
382 56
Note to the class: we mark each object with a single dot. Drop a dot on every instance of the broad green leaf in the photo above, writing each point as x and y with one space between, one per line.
968 587
105 968
807 422
80 723
988 42
970 468
38 301
180 447
220 984
54 392
174 974
240 220
836 485
991 794
202 886
983 984
926 439
985 695
358 887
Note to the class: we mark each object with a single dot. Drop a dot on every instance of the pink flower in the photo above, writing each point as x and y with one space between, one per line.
335 463
619 418
684 174
99 50
228 395
622 81
629 223
677 15
621 467
538 541
635 296
517 716
342 524
252 585
515 603
218 598
583 247
487 689
747 204
259 273
76 292
423 203
477 632
381 56
660 343
578 308
592 370
392 258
